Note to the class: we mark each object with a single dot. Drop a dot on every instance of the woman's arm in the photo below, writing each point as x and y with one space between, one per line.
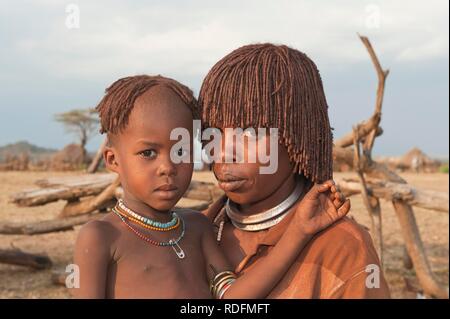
315 212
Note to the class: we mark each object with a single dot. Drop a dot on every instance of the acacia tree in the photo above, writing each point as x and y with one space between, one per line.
82 122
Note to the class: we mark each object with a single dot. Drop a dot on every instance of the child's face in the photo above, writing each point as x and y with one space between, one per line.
140 154
242 182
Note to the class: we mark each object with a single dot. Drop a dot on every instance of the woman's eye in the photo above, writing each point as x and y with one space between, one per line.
181 152
148 153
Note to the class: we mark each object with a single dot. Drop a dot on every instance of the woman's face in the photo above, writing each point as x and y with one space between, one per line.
243 181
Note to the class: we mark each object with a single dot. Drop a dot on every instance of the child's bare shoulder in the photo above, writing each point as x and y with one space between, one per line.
193 217
100 232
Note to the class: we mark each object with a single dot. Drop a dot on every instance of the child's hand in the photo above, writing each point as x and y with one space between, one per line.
321 207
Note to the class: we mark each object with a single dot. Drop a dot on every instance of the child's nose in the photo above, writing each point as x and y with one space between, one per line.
167 168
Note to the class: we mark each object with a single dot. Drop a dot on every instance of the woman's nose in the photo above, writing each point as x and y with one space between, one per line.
227 149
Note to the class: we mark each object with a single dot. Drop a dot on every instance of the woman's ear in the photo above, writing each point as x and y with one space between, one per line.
109 156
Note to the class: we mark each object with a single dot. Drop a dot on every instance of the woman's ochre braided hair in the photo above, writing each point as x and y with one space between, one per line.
266 85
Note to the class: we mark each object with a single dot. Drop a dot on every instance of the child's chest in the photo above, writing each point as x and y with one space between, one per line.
143 270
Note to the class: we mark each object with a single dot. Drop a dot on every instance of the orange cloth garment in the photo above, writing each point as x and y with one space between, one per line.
339 262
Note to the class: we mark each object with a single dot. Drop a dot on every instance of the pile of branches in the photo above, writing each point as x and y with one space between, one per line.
376 180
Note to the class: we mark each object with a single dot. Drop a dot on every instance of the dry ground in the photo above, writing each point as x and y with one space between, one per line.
21 282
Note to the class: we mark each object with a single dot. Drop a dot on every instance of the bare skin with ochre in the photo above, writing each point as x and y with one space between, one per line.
115 263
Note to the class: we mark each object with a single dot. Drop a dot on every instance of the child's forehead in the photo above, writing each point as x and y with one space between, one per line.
157 112
244 128
161 102
159 95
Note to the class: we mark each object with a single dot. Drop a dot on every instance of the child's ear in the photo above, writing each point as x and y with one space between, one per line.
109 156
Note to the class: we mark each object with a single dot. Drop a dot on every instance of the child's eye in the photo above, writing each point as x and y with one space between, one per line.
148 153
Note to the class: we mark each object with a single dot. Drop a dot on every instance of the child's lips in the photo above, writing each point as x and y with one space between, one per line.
167 191
167 187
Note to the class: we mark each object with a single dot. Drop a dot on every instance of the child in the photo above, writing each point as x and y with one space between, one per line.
145 249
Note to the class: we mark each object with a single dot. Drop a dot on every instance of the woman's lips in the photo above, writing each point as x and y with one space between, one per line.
231 185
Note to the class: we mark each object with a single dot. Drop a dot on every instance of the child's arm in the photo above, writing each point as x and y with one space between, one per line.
315 212
92 256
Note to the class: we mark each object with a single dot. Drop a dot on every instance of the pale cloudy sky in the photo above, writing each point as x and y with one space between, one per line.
47 67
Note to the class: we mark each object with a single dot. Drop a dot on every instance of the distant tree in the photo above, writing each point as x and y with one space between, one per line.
82 122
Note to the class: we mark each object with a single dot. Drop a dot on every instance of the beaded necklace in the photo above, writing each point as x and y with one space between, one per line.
172 242
146 220
142 224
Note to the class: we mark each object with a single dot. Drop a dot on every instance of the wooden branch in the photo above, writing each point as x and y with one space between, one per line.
91 204
381 171
74 187
370 127
59 277
20 258
198 197
382 75
343 155
77 181
407 262
412 238
363 130
427 199
372 168
416 250
43 227
404 211
98 158
371 202
66 189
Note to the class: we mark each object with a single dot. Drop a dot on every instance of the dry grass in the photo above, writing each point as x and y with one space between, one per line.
20 282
